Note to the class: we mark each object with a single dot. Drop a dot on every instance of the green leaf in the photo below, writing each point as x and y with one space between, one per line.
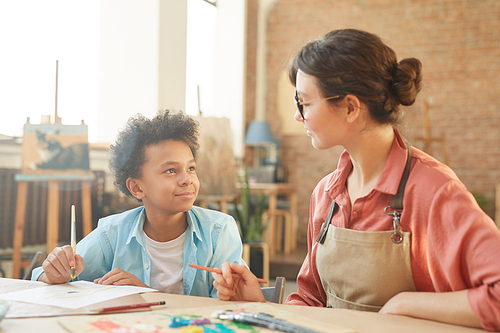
250 222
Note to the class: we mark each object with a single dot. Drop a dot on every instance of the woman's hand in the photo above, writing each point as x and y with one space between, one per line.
119 277
241 287
57 265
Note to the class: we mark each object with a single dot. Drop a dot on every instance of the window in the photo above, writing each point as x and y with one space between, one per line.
200 61
34 35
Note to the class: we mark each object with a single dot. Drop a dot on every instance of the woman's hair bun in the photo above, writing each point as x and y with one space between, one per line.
407 81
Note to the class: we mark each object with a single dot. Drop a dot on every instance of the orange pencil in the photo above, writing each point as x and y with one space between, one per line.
219 271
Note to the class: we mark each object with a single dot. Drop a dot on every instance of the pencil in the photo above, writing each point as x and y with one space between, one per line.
130 306
219 271
73 239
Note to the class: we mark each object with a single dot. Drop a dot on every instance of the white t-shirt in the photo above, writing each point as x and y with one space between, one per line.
166 264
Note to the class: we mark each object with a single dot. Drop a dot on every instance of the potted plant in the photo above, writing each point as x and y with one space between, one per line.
250 224
249 216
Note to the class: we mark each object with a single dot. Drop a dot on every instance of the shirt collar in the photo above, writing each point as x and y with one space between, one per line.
193 228
137 229
337 183
389 179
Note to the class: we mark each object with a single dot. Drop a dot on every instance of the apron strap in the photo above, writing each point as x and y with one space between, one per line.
397 200
396 204
324 227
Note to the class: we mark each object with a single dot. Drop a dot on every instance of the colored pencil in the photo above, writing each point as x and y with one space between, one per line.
127 307
219 271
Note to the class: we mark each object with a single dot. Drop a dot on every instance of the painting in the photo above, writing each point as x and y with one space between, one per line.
55 147
215 163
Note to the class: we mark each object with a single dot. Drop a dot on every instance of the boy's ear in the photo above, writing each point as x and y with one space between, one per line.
135 188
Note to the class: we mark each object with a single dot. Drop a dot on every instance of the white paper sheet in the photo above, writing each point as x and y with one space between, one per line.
73 295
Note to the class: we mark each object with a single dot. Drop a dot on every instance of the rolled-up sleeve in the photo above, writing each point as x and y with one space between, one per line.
463 249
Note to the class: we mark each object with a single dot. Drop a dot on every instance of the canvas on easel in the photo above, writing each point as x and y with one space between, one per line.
49 148
51 154
216 168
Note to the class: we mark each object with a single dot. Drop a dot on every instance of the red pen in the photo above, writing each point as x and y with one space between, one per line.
130 306
219 271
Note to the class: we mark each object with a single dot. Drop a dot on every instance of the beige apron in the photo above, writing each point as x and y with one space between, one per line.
362 270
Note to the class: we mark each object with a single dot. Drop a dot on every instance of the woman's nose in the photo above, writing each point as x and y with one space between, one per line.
297 116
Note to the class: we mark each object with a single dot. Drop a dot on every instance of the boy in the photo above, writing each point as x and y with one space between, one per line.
153 245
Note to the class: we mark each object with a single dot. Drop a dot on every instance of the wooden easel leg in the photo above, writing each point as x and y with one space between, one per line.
278 237
86 209
223 206
53 216
22 192
265 262
273 202
287 246
295 220
246 254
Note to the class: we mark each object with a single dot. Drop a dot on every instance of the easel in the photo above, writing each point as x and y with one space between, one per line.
428 139
52 209
53 177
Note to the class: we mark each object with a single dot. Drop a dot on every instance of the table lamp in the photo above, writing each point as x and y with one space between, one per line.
259 135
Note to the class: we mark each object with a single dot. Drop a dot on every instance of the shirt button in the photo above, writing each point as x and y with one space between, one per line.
355 213
146 266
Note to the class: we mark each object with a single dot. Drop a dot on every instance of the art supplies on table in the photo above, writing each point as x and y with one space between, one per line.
261 320
196 320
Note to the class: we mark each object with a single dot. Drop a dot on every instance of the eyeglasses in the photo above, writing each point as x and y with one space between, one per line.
300 105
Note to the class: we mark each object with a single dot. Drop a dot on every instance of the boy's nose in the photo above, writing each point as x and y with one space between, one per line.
186 181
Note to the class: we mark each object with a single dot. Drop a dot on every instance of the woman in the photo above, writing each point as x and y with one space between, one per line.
383 235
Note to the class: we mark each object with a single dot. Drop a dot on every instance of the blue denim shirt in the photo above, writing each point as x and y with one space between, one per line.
118 242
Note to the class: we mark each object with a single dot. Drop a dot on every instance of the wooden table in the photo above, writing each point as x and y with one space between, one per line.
362 322
272 191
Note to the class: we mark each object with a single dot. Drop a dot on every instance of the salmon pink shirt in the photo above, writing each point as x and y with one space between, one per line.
454 244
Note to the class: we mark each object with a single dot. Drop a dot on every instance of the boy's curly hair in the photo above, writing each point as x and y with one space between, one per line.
128 153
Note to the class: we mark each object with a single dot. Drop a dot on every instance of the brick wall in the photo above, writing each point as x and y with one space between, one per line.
251 70
458 42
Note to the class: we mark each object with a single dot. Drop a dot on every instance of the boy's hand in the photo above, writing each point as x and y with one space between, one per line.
119 277
244 287
57 265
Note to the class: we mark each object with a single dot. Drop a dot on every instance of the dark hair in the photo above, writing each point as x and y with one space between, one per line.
357 62
128 152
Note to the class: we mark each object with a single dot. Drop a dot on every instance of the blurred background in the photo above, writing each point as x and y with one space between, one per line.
227 59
